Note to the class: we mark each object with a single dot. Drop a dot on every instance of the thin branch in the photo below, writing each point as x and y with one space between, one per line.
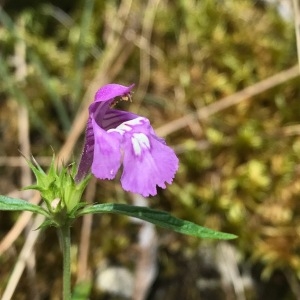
297 26
145 67
24 142
245 94
146 258
83 272
18 161
25 254
109 58
18 227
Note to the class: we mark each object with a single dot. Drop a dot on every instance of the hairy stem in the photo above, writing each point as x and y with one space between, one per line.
65 239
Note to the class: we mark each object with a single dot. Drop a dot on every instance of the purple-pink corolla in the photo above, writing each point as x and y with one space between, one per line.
114 137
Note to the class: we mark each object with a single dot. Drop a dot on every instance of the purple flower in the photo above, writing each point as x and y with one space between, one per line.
114 137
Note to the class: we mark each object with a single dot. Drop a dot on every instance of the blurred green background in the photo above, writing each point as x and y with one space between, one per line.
239 159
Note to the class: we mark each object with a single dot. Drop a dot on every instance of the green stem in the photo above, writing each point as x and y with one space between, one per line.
65 239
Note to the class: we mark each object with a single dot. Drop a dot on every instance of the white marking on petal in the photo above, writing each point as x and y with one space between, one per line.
139 142
128 125
136 121
124 127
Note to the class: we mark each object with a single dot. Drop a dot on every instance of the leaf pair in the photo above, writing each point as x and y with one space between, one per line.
157 217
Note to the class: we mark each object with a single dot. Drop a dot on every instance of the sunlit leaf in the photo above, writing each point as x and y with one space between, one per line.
159 218
13 204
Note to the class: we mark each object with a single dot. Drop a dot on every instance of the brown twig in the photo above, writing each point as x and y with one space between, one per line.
83 270
109 57
245 94
146 261
22 259
145 67
26 181
297 27
79 124
102 77
18 161
66 150
24 142
18 227
86 229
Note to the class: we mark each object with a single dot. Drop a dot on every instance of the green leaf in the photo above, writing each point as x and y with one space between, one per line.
13 204
157 217
47 223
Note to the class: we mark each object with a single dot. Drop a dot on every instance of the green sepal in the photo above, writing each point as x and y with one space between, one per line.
32 187
38 171
14 204
159 218
47 223
71 191
58 187
45 182
73 213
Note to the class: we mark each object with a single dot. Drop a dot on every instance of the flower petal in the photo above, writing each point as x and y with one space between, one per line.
147 163
112 90
113 136
107 154
104 98
113 118
87 153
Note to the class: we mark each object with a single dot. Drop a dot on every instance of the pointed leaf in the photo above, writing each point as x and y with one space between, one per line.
157 217
13 204
47 223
